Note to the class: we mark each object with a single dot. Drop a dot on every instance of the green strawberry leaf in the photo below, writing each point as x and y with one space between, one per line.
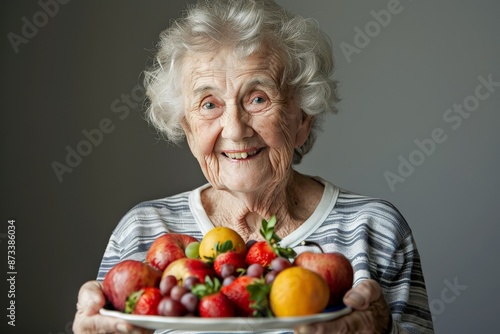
259 295
220 248
132 300
286 252
209 259
226 246
210 286
271 222
267 231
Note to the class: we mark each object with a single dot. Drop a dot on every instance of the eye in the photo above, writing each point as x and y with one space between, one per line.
208 105
258 100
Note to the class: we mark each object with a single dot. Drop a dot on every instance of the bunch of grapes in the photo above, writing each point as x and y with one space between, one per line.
178 300
229 273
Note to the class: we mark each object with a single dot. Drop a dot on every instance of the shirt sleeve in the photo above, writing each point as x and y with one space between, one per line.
403 285
374 235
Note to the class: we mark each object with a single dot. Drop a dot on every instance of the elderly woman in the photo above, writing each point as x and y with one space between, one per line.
247 83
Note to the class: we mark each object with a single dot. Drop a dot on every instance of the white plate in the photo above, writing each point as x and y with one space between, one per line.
222 324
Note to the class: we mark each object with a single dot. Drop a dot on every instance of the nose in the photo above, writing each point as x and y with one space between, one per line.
235 123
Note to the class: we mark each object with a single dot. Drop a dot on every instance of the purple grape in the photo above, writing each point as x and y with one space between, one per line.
255 270
280 264
250 243
167 283
190 302
171 307
227 269
228 280
177 292
190 282
270 276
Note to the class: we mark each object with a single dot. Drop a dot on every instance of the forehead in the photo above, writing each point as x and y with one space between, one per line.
227 68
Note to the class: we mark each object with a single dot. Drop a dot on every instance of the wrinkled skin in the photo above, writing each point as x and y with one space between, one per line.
242 125
370 314
233 106
89 321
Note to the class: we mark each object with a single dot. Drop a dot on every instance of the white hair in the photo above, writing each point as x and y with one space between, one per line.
244 26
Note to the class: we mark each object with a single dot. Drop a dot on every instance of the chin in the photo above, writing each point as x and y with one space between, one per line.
246 184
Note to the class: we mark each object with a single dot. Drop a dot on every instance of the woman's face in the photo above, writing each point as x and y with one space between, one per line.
241 124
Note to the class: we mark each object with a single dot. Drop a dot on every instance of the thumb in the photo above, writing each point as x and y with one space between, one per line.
362 295
90 298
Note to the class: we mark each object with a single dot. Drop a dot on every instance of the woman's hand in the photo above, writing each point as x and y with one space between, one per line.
87 318
370 314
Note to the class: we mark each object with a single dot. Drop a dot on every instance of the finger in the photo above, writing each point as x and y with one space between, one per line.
90 298
87 318
362 295
352 323
370 313
97 323
355 322
100 324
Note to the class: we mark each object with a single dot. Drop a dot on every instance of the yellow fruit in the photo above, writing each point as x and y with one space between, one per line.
216 238
298 291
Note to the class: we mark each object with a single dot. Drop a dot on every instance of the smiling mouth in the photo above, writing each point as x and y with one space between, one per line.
241 155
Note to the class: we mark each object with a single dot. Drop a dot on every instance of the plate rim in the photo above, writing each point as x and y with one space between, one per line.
187 323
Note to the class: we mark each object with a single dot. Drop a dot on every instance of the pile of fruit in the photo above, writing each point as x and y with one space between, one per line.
222 276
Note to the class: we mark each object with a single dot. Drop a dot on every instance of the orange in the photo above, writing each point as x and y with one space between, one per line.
298 291
215 238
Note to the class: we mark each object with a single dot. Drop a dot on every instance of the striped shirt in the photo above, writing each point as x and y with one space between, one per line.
370 232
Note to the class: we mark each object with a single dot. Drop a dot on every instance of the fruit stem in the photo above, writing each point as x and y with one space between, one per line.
312 243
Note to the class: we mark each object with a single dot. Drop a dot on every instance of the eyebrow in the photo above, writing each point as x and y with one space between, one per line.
253 83
266 83
202 89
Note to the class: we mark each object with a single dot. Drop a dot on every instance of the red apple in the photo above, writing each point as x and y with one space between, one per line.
126 277
186 267
334 267
168 248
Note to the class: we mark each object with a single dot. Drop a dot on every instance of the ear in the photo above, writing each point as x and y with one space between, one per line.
303 129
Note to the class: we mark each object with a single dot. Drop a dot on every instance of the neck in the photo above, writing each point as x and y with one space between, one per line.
292 202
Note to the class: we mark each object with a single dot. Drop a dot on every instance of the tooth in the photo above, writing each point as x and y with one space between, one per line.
240 155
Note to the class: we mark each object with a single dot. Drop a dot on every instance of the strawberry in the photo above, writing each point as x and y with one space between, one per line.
231 257
249 294
237 292
213 303
263 252
216 305
144 301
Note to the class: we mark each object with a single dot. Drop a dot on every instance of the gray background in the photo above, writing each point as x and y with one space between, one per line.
396 90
